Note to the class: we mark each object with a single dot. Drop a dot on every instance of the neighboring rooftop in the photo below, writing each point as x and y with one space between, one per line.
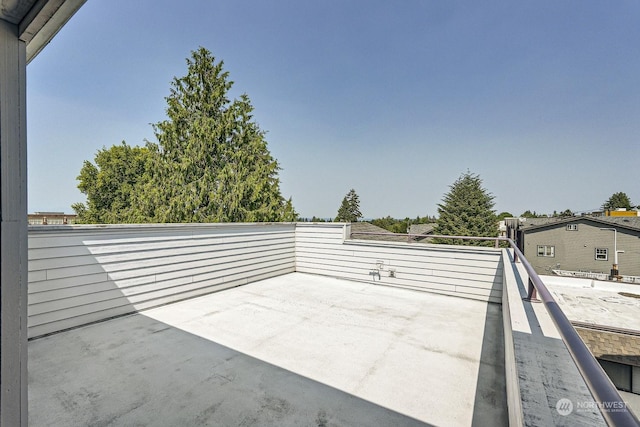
422 228
368 231
597 302
51 218
605 314
360 230
629 222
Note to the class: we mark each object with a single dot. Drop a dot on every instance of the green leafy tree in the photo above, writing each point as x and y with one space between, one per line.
564 214
467 210
387 222
424 220
349 210
392 224
111 183
503 215
529 214
400 225
617 201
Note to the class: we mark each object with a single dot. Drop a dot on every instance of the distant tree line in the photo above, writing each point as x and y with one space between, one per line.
619 200
466 210
555 214
349 211
401 225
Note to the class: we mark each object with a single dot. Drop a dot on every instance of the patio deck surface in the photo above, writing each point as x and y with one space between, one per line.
292 350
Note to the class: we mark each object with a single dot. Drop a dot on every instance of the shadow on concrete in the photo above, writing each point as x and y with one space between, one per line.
532 318
491 392
138 371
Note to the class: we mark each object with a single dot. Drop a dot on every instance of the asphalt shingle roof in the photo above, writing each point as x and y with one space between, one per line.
365 227
631 222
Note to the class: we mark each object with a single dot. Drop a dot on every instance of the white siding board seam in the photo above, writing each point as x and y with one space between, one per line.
416 257
102 305
134 266
88 258
48 241
371 263
199 278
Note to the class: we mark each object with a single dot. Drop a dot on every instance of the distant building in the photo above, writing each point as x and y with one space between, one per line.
51 218
621 212
579 244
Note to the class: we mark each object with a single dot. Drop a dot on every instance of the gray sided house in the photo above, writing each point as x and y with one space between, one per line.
581 244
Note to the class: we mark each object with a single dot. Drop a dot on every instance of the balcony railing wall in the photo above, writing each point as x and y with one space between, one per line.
465 271
82 274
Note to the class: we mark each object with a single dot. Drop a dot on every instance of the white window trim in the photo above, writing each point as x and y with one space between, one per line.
548 251
599 258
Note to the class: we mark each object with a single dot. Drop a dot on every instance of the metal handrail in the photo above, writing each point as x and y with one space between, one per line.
431 236
600 386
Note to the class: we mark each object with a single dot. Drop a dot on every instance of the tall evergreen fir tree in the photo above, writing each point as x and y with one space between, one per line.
214 165
349 210
343 211
467 210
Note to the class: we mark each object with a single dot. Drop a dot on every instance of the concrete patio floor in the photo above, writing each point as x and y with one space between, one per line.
292 350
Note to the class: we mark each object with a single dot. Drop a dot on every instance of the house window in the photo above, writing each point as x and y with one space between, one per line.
572 227
546 250
602 254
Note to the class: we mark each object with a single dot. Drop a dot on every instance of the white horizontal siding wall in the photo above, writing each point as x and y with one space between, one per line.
471 272
82 274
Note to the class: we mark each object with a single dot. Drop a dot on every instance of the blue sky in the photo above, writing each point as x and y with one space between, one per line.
394 99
